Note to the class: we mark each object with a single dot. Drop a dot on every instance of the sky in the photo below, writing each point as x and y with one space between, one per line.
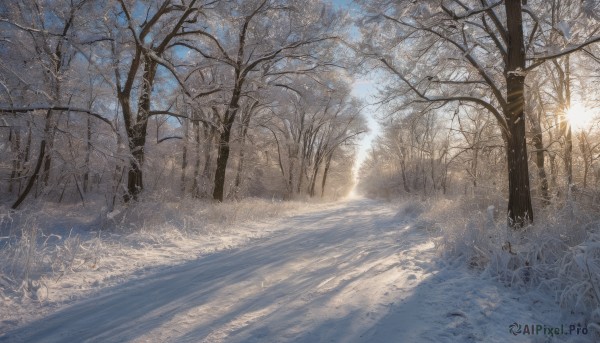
363 89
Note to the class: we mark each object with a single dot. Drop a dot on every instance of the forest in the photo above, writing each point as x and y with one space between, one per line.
477 103
208 99
478 121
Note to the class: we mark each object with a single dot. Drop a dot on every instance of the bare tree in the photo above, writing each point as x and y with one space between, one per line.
248 52
45 42
157 31
482 32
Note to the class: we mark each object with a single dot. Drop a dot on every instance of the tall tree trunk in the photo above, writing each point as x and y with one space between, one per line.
86 175
568 155
15 174
552 160
222 158
224 138
301 173
553 171
47 163
209 132
137 132
41 158
319 155
196 185
313 179
432 166
325 172
292 155
184 161
403 171
474 162
119 171
520 210
26 154
33 177
445 175
135 183
586 154
423 173
49 138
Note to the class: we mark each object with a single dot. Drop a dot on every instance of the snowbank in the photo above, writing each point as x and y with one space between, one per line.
558 258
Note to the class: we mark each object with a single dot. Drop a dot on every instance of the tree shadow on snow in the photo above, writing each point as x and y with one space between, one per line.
293 286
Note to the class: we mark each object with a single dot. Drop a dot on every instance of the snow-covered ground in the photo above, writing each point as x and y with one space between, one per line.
356 271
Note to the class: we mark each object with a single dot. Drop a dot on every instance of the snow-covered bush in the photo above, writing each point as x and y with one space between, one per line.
558 255
579 280
30 256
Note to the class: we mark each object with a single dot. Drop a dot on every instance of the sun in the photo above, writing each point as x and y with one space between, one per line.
579 117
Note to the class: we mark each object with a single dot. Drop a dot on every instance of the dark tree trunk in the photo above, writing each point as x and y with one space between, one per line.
86 176
313 179
222 157
569 155
423 173
184 160
33 177
209 133
135 183
301 173
432 166
520 211
47 165
319 154
196 186
119 171
586 153
552 161
474 170
27 152
224 138
41 158
404 179
136 133
292 155
48 137
306 154
15 174
325 172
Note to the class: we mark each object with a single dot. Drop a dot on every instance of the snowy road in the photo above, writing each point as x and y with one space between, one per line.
354 272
